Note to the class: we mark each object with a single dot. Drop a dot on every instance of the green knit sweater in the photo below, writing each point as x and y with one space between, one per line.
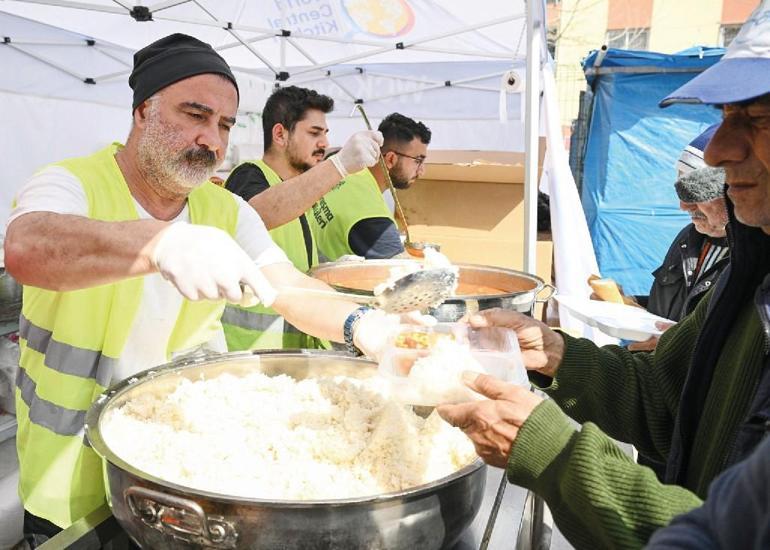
599 497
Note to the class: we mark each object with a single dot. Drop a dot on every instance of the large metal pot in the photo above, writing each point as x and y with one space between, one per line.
480 287
159 514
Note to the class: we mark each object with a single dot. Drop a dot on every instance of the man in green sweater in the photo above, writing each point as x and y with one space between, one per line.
699 403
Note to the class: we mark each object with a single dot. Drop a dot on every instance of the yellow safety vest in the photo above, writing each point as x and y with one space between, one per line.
71 341
260 327
355 198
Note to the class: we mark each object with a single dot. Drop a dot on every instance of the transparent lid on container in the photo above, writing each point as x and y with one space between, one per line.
424 365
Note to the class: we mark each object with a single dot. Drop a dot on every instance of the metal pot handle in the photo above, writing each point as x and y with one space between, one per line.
180 517
551 293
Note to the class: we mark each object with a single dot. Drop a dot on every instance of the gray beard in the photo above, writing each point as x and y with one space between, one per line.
172 170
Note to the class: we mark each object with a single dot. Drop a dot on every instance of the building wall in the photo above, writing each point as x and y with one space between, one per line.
679 25
737 11
623 14
674 25
578 34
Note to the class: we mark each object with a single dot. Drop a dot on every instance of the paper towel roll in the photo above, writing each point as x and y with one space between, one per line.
512 82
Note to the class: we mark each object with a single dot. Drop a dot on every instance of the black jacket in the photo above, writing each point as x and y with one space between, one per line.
673 294
736 513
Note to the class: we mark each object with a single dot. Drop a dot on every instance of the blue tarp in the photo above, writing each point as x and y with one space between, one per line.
629 169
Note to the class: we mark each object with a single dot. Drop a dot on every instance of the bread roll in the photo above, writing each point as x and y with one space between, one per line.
606 289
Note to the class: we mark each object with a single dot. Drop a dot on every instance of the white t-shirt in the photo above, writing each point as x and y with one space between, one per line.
55 189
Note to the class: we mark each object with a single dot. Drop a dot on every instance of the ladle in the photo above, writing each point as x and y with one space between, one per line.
413 248
417 291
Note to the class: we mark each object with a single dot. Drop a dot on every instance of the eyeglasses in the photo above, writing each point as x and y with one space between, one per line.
418 160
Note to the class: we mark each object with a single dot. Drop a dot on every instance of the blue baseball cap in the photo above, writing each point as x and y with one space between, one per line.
743 72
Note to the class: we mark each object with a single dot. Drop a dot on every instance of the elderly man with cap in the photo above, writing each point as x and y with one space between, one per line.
127 257
700 252
700 401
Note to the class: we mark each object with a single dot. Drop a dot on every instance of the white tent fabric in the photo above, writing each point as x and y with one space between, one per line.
46 113
409 57
74 53
574 259
440 62
446 63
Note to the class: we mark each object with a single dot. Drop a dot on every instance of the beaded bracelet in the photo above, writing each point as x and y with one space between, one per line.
349 327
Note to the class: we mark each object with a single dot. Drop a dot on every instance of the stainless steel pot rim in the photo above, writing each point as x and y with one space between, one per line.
539 283
101 448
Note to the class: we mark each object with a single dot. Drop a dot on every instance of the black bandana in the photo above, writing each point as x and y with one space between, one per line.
171 59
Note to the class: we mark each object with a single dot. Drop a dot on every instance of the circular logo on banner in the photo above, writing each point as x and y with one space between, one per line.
381 17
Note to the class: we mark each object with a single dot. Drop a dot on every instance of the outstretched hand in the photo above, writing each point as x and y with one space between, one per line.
652 342
492 425
542 349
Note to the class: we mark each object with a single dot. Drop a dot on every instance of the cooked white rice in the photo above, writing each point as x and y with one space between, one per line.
437 378
276 438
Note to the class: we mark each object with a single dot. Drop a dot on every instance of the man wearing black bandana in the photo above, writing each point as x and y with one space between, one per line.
127 257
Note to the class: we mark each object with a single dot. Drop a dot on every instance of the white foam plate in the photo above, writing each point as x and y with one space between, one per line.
618 320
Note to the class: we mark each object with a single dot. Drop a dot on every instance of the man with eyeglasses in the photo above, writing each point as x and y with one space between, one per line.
354 218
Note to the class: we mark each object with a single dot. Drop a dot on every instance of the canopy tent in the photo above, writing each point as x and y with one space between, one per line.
386 54
461 67
629 169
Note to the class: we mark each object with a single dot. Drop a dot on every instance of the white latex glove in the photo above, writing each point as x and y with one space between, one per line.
362 149
205 263
372 331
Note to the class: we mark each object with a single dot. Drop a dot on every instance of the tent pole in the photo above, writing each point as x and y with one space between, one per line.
253 50
165 5
531 141
467 53
50 63
463 30
112 56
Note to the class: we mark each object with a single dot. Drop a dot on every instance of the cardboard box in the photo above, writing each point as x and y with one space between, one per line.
476 166
472 204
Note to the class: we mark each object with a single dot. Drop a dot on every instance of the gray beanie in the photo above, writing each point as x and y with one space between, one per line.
701 185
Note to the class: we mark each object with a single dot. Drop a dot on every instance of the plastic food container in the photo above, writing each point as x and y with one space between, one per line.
424 365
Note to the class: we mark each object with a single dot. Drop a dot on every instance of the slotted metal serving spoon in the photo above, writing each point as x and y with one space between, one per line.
417 291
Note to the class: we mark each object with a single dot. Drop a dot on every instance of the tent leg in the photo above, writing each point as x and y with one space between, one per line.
531 133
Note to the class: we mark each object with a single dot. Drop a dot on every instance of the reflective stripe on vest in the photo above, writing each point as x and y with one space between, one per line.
259 327
67 359
243 318
59 420
356 198
71 341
